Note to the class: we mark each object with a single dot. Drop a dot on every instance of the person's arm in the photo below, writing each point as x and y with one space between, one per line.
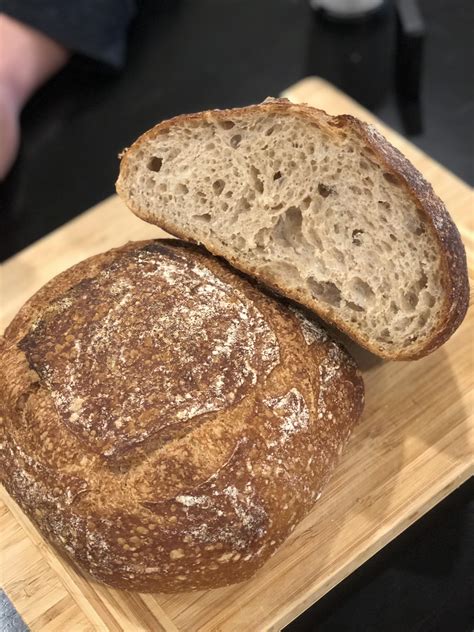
28 58
36 39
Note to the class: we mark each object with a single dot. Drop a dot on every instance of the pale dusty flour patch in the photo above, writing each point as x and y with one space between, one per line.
311 331
245 515
203 308
192 501
293 412
328 371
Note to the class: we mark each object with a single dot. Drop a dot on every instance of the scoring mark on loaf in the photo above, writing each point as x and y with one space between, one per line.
328 371
225 510
311 331
293 412
155 339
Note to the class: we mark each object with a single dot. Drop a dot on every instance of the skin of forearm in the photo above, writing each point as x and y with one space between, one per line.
28 58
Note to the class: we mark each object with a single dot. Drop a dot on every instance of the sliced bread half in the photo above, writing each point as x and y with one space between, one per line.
322 209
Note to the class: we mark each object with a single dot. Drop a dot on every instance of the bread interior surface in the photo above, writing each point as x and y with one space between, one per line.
306 209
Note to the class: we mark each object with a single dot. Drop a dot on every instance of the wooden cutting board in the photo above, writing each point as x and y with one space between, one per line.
413 446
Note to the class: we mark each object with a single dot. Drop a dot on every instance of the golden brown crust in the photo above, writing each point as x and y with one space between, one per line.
249 405
444 232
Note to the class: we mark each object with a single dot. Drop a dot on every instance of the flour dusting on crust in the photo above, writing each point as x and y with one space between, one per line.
311 331
200 344
293 412
134 345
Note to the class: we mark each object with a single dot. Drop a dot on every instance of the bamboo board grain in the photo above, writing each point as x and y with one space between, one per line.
413 446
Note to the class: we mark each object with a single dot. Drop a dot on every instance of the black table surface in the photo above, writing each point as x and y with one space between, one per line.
188 55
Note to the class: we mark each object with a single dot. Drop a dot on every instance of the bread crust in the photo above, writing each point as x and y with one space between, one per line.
185 500
432 210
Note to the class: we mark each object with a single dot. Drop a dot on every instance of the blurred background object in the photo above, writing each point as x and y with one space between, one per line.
347 9
188 55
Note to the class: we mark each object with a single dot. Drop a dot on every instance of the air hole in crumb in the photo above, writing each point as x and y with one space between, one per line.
338 255
287 230
205 217
423 318
368 181
422 281
392 178
270 131
255 176
281 268
409 301
218 186
182 188
354 307
362 291
210 146
428 299
384 336
305 203
383 204
327 291
356 237
242 205
324 190
261 238
392 237
356 190
226 124
277 175
404 323
235 141
239 241
155 163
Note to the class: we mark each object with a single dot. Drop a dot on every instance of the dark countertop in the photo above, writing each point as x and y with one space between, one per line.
194 54
187 55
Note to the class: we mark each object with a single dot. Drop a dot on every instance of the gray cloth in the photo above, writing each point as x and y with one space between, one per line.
94 28
10 620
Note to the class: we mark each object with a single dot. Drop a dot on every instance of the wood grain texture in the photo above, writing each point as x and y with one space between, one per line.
412 447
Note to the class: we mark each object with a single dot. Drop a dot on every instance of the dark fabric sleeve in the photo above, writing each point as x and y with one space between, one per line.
95 28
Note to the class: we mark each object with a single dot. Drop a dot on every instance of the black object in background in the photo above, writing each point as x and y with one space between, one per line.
355 55
409 64
420 582
187 55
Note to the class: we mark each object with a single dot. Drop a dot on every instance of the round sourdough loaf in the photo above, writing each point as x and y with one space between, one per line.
165 422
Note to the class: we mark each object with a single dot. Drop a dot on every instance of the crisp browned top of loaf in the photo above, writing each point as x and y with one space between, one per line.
427 328
165 422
